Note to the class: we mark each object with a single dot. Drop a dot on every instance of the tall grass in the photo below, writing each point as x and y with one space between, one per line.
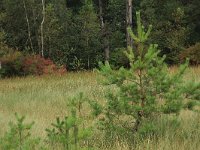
44 98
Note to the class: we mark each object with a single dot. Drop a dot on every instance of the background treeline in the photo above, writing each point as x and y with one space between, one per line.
79 33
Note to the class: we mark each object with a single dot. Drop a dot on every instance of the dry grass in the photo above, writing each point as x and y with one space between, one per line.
42 99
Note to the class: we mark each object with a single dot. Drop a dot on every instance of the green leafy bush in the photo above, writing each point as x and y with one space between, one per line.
76 64
118 58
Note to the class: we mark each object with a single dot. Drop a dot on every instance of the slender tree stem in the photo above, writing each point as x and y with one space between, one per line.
28 26
129 22
42 27
102 24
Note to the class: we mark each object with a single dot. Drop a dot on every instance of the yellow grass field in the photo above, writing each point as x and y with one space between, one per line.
44 98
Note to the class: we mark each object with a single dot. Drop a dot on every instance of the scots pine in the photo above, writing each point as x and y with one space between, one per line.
145 90
71 133
19 136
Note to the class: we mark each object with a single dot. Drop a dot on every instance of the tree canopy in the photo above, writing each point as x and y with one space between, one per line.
73 31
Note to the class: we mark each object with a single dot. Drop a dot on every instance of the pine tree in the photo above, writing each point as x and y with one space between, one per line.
19 136
144 90
71 132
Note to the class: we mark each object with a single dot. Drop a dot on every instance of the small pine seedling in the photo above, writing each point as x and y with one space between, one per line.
70 132
19 136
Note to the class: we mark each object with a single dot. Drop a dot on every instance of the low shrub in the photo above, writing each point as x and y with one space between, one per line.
193 53
36 65
14 63
10 62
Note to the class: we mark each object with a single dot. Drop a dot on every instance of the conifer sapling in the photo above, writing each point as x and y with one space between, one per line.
146 88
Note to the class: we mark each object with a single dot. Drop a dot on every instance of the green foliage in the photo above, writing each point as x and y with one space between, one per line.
147 129
19 136
88 35
170 28
72 28
118 58
194 23
144 90
115 16
77 64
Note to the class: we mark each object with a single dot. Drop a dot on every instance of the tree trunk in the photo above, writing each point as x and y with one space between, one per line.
36 29
105 41
28 26
129 22
42 28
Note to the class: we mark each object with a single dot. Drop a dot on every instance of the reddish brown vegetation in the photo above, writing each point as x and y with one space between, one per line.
37 65
193 53
14 63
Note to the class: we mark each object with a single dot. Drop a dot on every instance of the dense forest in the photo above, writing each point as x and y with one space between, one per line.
79 33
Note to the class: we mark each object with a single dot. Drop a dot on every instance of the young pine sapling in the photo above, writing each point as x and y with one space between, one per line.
144 90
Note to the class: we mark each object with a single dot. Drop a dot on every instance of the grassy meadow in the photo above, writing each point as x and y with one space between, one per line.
44 98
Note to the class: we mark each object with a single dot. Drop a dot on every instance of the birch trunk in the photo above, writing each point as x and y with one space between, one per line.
129 22
42 28
28 26
105 41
